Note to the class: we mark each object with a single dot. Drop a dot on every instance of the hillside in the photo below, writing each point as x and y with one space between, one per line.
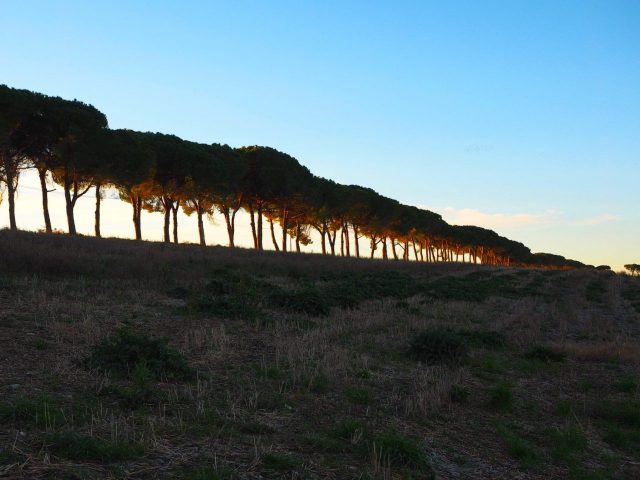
307 366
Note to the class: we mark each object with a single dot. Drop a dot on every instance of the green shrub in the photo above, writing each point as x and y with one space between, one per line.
307 300
567 441
70 445
41 411
399 451
627 385
358 395
458 393
206 473
277 461
501 397
483 338
545 354
347 429
124 350
625 413
437 347
518 447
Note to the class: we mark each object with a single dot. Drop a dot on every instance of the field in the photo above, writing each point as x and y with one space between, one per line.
142 360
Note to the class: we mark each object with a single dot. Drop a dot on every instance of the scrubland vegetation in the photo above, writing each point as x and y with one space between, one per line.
123 359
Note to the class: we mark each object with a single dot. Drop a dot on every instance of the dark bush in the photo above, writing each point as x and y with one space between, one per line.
122 351
544 354
437 347
307 300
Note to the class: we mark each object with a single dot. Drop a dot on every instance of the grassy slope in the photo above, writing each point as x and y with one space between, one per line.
302 366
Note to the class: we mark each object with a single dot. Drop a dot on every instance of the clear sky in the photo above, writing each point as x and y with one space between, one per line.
523 117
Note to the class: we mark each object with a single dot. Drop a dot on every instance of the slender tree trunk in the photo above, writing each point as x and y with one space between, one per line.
10 177
230 222
69 204
253 226
42 173
273 235
259 212
97 213
167 223
199 212
174 209
11 191
136 203
393 249
405 255
384 248
345 233
285 225
298 232
332 241
356 241
323 242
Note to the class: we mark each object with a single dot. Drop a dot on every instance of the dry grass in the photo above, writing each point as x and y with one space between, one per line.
275 387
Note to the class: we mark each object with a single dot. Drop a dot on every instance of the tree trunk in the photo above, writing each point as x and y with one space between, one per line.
10 177
356 240
259 212
136 203
298 232
254 234
332 241
323 240
69 205
347 246
12 203
42 173
273 235
201 227
97 213
230 222
174 209
384 248
167 223
393 249
285 224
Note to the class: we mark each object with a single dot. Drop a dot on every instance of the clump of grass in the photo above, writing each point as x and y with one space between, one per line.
138 394
595 291
545 354
518 447
438 346
358 395
40 344
458 393
124 350
213 472
396 450
70 445
482 338
256 428
623 412
501 397
276 461
567 442
348 429
627 385
41 411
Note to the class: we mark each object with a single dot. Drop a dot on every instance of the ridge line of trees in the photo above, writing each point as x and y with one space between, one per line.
69 142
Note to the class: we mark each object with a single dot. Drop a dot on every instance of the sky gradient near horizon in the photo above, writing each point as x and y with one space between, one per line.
523 117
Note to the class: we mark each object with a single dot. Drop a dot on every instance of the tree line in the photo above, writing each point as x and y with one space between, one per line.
70 142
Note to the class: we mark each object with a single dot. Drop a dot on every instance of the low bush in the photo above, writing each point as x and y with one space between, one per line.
72 446
124 350
545 354
437 347
396 450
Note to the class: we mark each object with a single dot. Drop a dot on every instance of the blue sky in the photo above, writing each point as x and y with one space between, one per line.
520 116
